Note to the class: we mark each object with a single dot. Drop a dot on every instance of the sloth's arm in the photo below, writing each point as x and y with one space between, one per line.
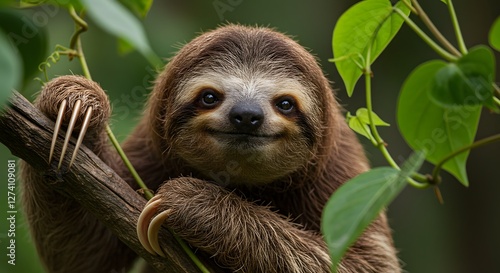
68 238
239 234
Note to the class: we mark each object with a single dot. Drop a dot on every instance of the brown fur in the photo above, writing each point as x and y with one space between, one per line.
269 226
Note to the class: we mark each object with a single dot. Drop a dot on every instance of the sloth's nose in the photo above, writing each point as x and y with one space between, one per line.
246 117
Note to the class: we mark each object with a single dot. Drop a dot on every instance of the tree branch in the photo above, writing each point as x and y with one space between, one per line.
27 133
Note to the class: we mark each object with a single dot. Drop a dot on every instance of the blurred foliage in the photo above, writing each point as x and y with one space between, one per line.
460 236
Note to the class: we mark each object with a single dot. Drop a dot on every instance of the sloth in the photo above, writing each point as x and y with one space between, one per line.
243 141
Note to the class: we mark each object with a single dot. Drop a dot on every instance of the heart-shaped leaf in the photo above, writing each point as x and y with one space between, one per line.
439 131
367 23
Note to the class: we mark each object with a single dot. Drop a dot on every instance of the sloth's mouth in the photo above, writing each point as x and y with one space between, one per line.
240 136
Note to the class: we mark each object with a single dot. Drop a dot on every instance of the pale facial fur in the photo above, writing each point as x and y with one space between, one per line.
255 159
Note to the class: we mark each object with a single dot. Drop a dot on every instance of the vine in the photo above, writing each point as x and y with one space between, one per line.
54 57
463 81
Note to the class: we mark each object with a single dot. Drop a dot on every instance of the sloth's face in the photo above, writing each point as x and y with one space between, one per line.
249 130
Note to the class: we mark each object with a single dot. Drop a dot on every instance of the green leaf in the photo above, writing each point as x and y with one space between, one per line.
359 127
116 20
138 7
358 202
362 114
426 126
361 123
466 82
355 31
494 35
10 69
30 40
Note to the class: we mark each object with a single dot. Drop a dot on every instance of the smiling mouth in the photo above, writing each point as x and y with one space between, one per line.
240 136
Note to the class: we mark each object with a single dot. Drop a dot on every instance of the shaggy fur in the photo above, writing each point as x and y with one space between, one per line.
262 212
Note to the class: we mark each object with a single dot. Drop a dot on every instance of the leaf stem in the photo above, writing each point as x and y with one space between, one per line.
456 27
479 143
496 100
85 67
127 163
76 42
190 253
410 6
430 25
497 89
496 97
439 50
81 26
379 142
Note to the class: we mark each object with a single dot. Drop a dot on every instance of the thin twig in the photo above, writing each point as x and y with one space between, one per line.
127 163
81 26
479 143
439 50
439 36
456 27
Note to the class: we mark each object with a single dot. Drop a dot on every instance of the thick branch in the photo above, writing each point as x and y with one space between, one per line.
27 133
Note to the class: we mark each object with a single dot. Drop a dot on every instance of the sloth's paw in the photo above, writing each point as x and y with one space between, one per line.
186 205
149 224
74 103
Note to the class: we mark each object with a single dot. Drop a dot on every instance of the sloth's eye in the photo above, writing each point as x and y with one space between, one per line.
209 98
285 105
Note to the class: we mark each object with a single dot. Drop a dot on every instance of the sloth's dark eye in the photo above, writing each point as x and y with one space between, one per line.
285 105
209 98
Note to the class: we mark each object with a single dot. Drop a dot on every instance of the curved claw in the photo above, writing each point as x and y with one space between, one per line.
154 229
57 127
85 125
148 226
143 222
71 125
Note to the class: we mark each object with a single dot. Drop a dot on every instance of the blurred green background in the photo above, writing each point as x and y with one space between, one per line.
462 235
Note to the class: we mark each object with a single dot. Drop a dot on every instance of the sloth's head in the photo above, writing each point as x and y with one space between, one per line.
242 105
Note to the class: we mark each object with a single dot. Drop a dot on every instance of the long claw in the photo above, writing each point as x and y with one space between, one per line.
59 119
82 134
154 228
71 125
143 222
